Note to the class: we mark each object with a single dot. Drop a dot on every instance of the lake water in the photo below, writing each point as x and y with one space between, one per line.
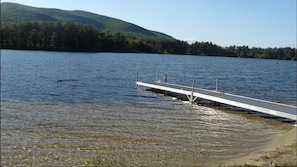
97 112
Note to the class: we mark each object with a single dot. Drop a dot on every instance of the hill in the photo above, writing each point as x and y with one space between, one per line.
13 13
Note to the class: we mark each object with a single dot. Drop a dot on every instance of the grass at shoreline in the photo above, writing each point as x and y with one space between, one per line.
284 156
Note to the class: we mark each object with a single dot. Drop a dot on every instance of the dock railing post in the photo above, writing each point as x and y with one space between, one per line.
217 84
165 78
156 76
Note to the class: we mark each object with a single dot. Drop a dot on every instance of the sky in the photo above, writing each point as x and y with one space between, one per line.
253 23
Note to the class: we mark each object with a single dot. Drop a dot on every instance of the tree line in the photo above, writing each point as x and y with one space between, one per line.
57 36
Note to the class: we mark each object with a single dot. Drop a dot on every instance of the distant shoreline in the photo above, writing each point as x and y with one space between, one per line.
67 51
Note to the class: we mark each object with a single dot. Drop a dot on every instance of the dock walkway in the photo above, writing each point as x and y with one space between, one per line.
267 107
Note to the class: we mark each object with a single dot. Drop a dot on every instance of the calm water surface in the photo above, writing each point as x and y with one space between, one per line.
100 113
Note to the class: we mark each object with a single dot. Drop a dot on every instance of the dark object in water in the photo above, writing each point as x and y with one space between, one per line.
67 80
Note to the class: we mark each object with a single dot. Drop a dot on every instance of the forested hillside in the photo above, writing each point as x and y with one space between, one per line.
80 37
12 13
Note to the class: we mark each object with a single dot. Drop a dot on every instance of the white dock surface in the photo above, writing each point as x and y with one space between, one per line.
267 107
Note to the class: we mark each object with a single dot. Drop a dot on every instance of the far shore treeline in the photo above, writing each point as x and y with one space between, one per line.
57 36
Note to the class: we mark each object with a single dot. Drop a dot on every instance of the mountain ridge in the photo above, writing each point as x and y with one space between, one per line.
14 13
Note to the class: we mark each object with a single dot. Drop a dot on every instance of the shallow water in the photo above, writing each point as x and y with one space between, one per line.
44 122
172 133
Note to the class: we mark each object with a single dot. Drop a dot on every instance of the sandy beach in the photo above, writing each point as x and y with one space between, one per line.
281 151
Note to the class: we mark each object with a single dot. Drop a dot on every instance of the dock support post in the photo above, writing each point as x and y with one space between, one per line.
217 84
192 94
136 86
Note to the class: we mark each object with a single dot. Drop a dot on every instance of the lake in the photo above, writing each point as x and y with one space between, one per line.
97 112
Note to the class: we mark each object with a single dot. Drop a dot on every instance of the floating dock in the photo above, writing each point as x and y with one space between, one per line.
192 93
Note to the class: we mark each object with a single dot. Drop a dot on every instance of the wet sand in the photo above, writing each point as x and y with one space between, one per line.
281 151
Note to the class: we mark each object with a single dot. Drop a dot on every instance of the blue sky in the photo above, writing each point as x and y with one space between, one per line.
255 23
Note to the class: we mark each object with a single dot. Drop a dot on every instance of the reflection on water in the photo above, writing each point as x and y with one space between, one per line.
170 133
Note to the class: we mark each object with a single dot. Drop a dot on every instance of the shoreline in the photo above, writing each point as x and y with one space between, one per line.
281 150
